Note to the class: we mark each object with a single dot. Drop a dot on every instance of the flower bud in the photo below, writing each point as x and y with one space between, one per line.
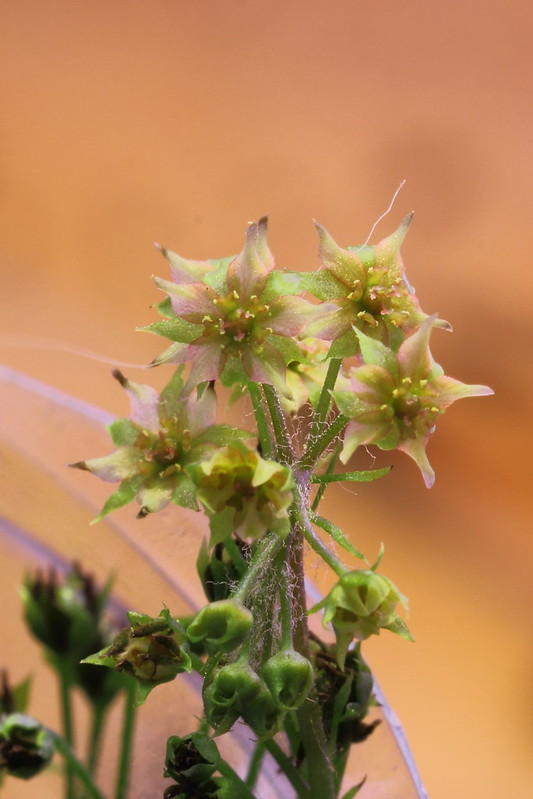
288 676
222 626
26 747
149 650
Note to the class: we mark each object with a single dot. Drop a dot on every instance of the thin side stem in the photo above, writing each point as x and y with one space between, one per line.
97 722
284 446
319 445
291 772
322 487
324 401
301 518
263 431
128 724
65 687
271 546
76 768
254 766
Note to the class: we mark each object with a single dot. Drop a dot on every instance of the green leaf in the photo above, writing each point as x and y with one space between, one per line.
345 346
175 329
337 535
125 493
123 432
355 477
282 284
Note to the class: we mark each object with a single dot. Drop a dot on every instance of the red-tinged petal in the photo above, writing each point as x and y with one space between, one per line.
288 315
373 384
387 251
414 358
201 413
207 361
265 366
144 401
447 390
176 353
184 270
416 449
192 301
331 322
358 433
121 464
248 272
345 265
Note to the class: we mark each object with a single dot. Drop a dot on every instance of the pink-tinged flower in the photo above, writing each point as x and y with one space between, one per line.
164 436
396 398
366 288
237 320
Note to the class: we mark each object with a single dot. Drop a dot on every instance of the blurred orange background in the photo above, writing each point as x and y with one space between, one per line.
125 123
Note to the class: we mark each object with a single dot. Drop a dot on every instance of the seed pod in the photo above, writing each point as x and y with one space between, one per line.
222 626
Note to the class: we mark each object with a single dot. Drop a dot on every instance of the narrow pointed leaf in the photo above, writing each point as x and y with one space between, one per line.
337 535
355 477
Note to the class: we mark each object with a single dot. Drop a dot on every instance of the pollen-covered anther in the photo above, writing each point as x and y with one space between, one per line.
395 392
207 319
235 294
406 381
423 383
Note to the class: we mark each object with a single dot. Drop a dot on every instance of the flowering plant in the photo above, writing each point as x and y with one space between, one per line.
329 361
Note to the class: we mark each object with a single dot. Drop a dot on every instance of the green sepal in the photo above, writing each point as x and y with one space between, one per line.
175 329
337 535
399 627
216 279
345 346
378 558
184 493
123 432
354 790
222 435
14 699
233 373
323 285
355 477
170 396
282 284
376 353
289 349
125 493
221 526
165 308
349 404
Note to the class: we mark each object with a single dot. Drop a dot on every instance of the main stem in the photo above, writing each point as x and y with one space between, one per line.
320 770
